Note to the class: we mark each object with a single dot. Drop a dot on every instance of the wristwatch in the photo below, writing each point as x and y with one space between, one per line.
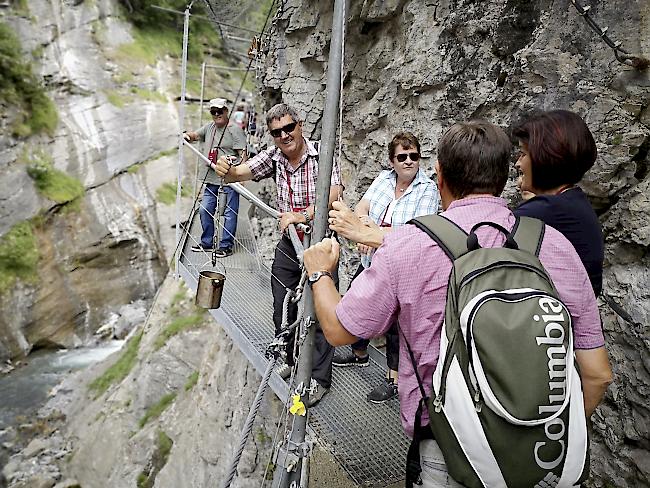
314 277
306 215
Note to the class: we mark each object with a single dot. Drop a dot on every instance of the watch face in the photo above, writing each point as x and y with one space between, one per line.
314 276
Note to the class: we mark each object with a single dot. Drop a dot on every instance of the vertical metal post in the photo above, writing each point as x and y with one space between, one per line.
181 116
296 444
198 161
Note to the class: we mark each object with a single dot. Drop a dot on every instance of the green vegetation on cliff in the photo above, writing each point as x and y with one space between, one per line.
147 477
18 256
156 410
22 90
50 182
120 369
192 380
177 326
166 193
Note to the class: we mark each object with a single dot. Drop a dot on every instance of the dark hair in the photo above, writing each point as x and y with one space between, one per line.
405 139
560 146
474 157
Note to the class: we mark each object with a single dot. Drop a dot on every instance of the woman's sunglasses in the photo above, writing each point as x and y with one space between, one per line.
217 111
287 129
402 157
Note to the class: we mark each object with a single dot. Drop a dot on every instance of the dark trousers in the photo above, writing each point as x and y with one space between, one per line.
286 274
392 339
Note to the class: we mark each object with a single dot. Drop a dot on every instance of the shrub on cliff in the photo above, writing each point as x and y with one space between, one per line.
52 183
18 255
22 90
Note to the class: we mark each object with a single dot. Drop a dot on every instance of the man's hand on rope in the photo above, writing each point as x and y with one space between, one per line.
358 229
323 256
287 218
222 166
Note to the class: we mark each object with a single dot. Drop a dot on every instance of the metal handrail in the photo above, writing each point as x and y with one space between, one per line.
251 197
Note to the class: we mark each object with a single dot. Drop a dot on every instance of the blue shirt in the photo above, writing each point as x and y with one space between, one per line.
420 198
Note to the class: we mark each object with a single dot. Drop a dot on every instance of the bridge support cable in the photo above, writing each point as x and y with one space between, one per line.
196 169
180 241
181 137
295 449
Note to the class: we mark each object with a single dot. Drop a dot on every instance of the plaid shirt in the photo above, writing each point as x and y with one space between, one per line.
420 198
296 186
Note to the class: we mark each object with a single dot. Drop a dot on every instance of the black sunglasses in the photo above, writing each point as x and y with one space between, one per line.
402 157
287 129
217 111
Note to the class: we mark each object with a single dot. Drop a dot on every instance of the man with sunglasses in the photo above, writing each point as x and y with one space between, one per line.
220 138
396 196
293 163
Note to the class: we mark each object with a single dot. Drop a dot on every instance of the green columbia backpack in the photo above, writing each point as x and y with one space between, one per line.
507 407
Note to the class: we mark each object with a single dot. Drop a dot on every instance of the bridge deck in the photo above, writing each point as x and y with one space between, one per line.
366 439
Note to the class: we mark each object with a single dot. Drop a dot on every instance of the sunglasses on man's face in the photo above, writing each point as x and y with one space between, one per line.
402 157
287 129
217 111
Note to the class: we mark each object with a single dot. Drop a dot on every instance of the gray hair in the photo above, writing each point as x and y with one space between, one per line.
276 112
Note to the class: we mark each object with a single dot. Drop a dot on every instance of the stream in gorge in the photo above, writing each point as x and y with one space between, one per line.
26 389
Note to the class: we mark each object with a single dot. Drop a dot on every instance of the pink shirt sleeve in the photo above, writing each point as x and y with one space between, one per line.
370 306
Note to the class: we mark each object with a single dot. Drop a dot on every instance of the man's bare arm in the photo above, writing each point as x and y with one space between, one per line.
324 257
596 375
231 174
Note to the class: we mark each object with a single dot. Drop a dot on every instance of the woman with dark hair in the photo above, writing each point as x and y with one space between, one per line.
557 149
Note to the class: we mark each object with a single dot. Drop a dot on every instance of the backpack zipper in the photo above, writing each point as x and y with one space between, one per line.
440 398
477 272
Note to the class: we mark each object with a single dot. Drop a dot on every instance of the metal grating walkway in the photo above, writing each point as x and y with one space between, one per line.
366 439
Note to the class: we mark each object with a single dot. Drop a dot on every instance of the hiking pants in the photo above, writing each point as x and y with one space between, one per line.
434 470
392 339
285 273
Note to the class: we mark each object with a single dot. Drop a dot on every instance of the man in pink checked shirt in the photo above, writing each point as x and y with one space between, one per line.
408 279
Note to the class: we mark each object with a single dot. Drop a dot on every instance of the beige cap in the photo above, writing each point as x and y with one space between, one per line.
218 103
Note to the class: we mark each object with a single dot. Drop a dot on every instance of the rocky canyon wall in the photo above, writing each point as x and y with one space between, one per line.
101 252
421 65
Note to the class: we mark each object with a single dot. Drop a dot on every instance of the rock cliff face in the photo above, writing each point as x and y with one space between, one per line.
420 65
105 252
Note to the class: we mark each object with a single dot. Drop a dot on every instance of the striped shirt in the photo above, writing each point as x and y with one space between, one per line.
408 281
296 186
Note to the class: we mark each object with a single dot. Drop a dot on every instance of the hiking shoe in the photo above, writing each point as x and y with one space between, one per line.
222 252
317 393
283 371
349 358
199 248
383 392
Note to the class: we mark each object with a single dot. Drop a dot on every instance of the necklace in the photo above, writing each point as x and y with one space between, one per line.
402 189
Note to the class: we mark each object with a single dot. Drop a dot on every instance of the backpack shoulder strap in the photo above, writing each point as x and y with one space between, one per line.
448 235
528 233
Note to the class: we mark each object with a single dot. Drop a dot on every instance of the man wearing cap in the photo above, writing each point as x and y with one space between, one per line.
219 138
293 163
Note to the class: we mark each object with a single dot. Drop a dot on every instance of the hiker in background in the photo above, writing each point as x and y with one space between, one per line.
293 163
396 196
408 281
220 138
239 116
556 150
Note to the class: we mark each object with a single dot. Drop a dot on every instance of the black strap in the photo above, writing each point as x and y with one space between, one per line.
472 240
413 468
447 234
